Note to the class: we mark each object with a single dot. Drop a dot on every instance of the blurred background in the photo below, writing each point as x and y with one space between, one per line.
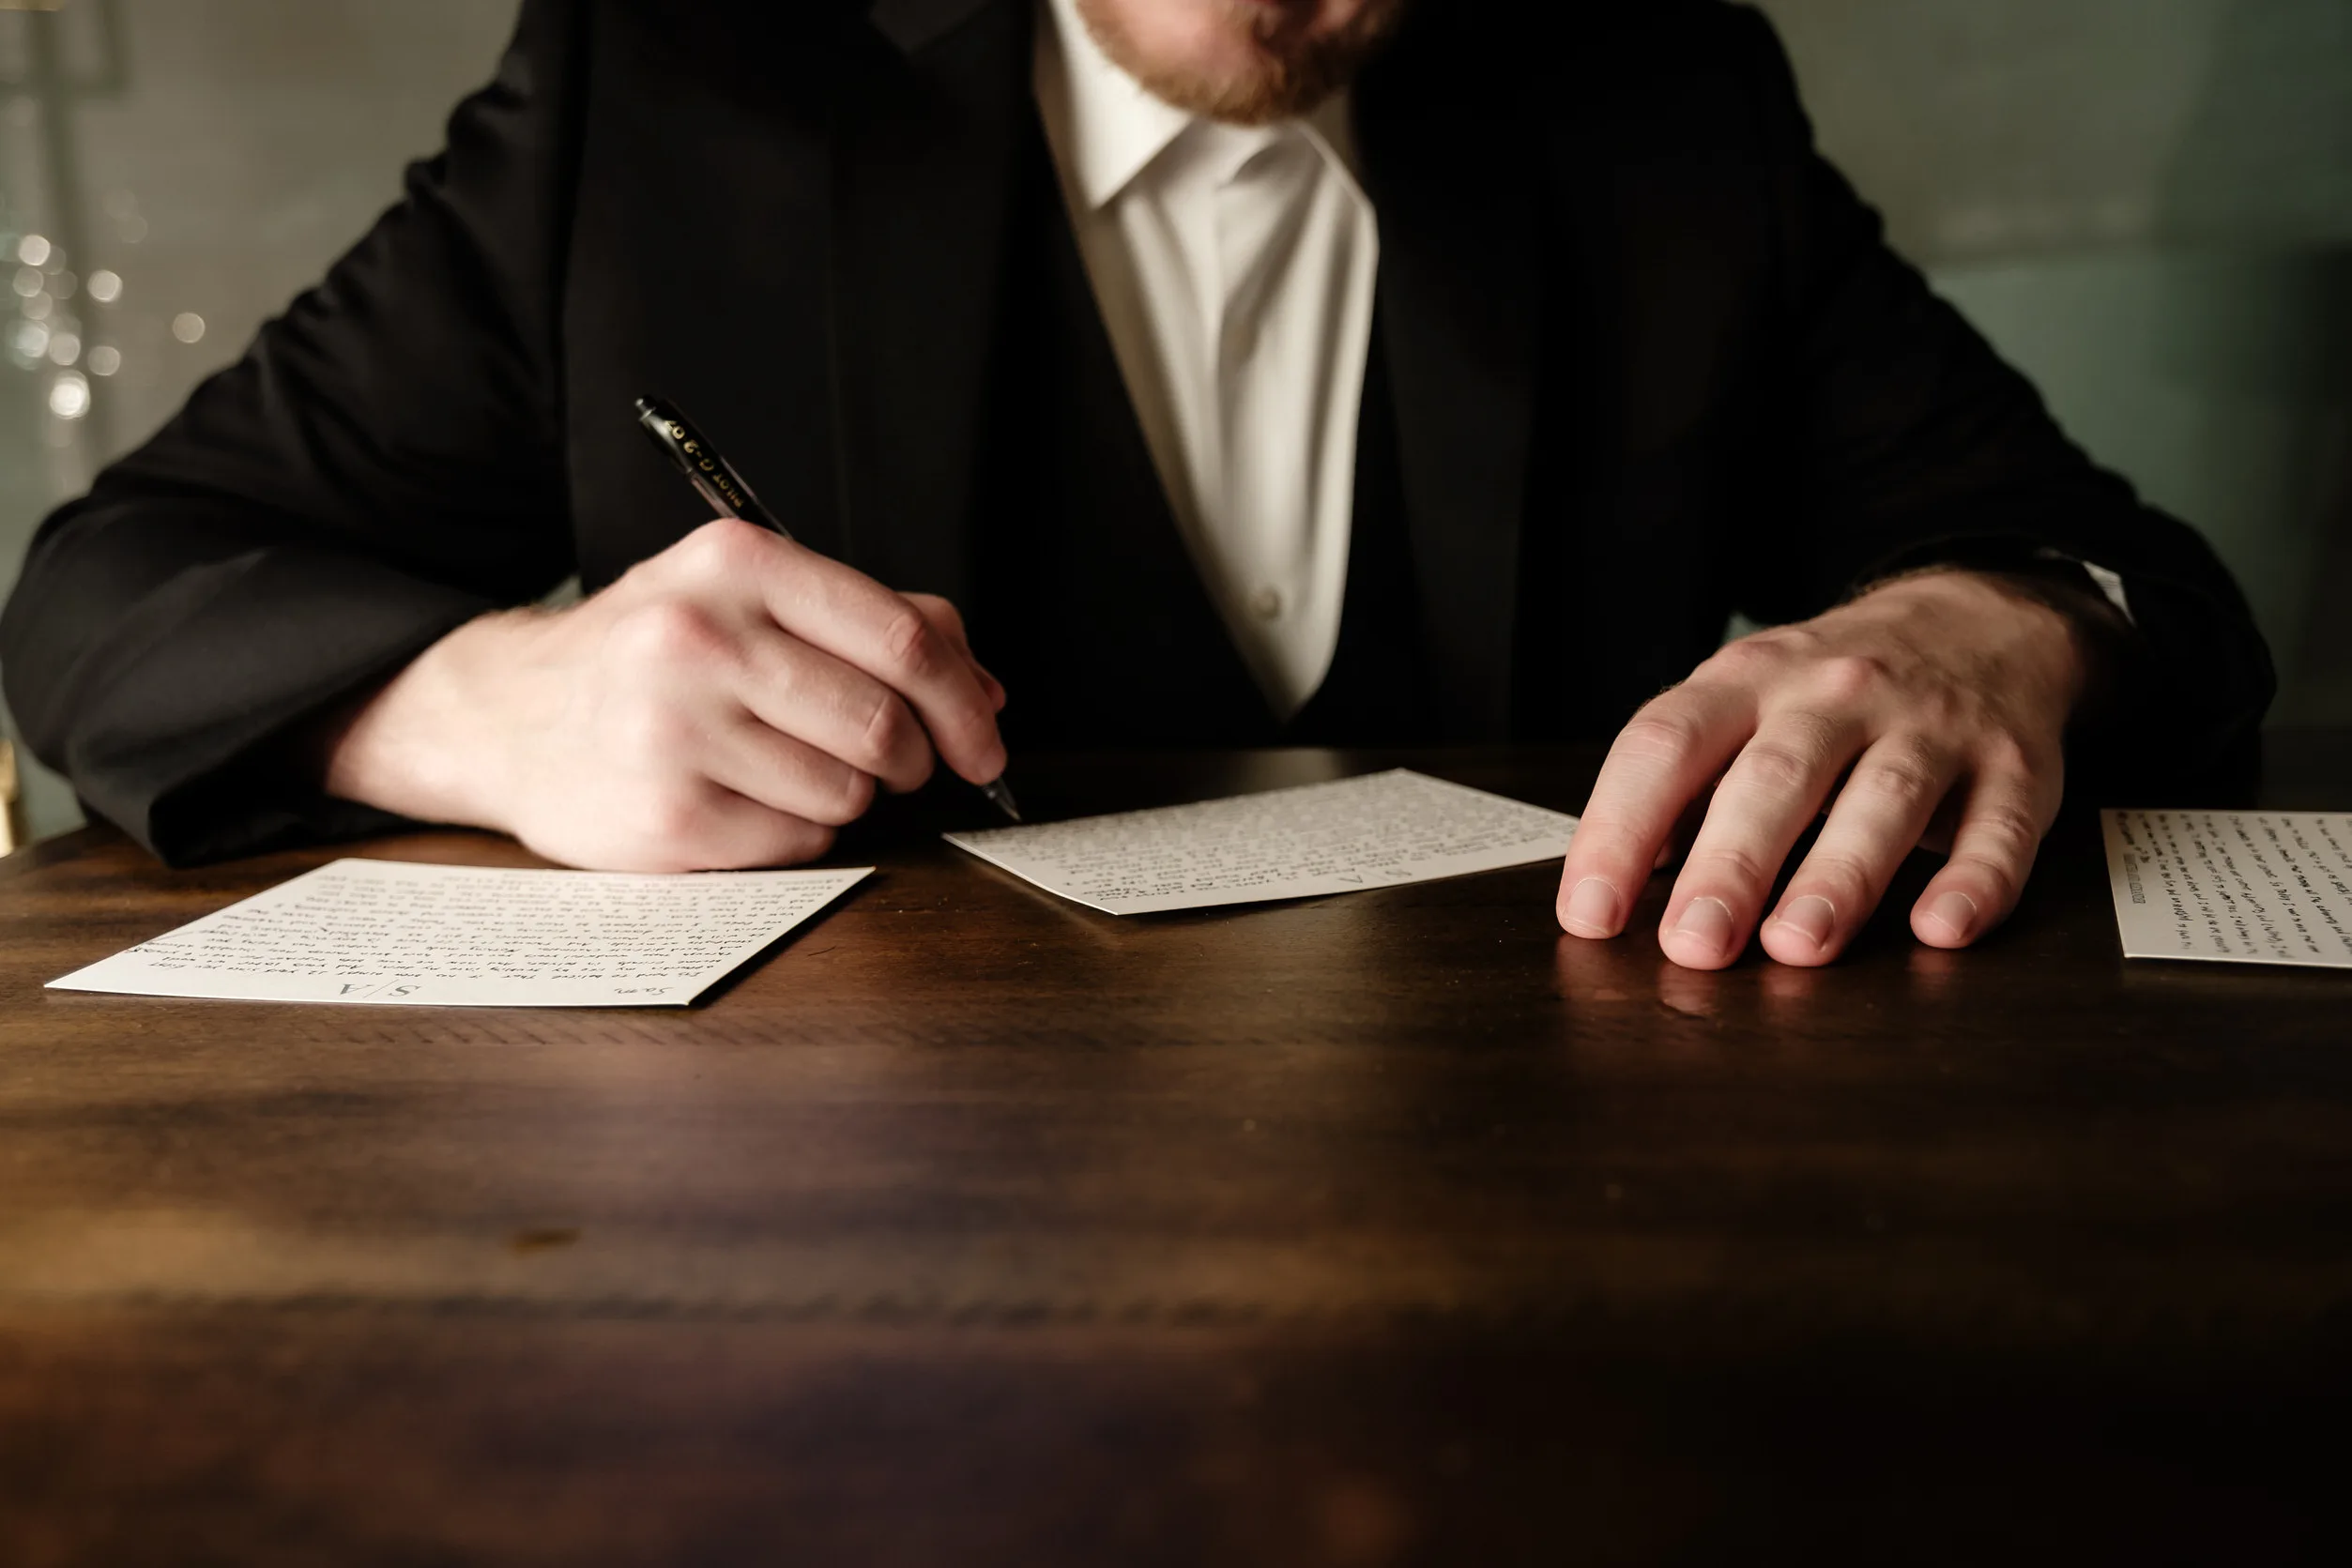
2146 204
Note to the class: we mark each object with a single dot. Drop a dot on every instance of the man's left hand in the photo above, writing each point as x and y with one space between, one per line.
1935 701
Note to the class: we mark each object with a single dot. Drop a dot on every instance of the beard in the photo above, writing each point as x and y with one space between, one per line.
1291 69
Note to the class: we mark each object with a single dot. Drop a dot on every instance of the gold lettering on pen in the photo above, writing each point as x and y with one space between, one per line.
707 462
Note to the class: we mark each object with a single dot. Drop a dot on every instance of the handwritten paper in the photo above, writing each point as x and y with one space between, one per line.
1379 831
2233 887
392 932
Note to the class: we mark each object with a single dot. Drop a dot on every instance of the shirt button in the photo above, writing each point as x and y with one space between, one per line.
1266 604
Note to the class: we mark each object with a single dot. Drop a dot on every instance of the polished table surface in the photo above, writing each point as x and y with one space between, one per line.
972 1226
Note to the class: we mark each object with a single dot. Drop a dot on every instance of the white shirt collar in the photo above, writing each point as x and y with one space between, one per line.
1107 127
1116 127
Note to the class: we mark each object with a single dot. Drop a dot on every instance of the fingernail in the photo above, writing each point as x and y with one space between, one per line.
1705 927
1955 911
1592 909
1811 916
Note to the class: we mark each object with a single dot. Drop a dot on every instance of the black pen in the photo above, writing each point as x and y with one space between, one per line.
715 480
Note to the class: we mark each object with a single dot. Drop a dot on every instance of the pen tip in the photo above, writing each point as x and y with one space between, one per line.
997 791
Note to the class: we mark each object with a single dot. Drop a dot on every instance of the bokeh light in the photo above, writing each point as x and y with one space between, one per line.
69 397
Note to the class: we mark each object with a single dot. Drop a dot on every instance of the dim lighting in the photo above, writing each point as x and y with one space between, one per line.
33 250
69 399
187 327
105 286
105 359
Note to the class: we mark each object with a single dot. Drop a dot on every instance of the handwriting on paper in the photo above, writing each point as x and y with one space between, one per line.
394 932
1378 830
2235 887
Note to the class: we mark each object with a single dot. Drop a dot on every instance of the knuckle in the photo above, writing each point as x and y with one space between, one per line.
2003 837
1998 880
724 547
1847 881
1777 766
1731 867
1907 776
1850 680
644 577
670 632
1746 660
1659 733
885 735
937 611
910 643
1605 844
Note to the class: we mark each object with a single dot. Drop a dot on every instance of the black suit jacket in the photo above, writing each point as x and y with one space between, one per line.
1652 362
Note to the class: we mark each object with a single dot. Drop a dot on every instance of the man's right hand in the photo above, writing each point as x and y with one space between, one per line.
729 703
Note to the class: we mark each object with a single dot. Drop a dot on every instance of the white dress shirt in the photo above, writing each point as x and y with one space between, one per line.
1234 268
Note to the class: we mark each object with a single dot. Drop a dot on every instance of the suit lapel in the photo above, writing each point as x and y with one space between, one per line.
921 136
1461 302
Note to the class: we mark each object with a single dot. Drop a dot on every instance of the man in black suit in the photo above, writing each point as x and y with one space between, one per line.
1539 340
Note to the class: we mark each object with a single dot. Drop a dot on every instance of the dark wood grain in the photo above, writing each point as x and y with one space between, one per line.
976 1228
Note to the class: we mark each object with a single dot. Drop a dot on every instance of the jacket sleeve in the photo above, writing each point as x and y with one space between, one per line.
1914 444
385 463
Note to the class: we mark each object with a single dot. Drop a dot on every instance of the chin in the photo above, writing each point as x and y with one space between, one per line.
1242 61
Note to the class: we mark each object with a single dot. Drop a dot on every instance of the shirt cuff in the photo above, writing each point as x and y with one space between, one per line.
2109 583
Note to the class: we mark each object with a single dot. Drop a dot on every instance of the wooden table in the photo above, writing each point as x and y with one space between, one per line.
976 1228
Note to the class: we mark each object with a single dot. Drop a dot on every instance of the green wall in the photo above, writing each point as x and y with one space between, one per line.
2221 383
2148 206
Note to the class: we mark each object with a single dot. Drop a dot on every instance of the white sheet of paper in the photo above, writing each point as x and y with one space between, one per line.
2233 887
434 936
1378 830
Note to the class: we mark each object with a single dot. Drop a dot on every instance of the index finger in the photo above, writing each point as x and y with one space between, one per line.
859 621
1664 757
